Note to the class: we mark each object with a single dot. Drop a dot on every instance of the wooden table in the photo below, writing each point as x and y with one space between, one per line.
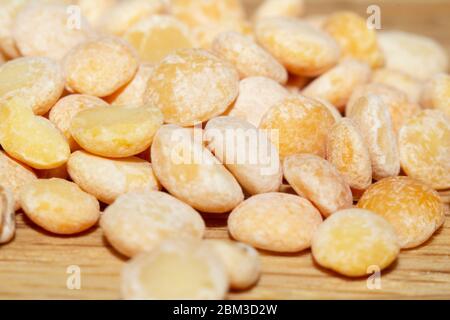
35 264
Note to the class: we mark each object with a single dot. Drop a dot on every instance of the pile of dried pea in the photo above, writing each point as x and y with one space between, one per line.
90 105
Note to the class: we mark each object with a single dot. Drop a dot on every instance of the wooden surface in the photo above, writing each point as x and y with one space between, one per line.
34 265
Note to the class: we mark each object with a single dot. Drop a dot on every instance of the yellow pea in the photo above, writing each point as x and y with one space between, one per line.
31 139
116 132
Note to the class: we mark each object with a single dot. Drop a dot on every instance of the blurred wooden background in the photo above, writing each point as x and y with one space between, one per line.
426 17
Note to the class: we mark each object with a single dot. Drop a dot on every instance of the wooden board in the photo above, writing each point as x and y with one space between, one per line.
35 264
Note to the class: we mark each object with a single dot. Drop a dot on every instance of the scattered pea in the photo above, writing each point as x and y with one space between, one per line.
63 112
348 152
59 206
7 216
373 120
107 179
318 181
31 139
246 152
420 57
41 29
191 86
424 143
241 261
248 57
256 96
303 124
176 270
302 49
414 209
116 132
157 36
89 68
38 80
352 240
14 175
275 221
190 171
139 221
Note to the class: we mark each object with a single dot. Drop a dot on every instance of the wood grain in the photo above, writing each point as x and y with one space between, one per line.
34 265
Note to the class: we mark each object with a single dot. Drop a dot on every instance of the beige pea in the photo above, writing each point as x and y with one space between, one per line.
401 81
100 67
93 10
107 179
280 8
7 215
44 29
59 206
123 15
436 93
275 221
373 120
415 55
39 80
318 181
116 132
347 151
301 48
191 173
140 221
176 270
256 96
241 261
337 85
8 13
191 86
248 57
246 152
67 108
157 36
14 175
133 93
396 101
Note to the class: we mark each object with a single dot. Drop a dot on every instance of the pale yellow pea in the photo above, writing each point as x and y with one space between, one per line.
59 206
107 179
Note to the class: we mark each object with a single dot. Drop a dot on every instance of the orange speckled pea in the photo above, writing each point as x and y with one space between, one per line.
425 148
348 152
414 209
302 123
354 37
